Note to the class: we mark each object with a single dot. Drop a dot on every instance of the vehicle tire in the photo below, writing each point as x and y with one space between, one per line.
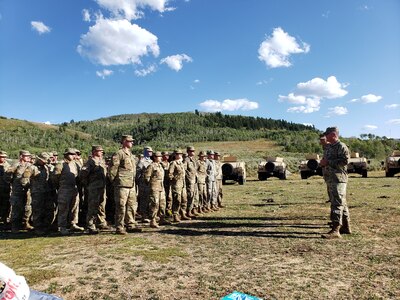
364 173
283 176
303 175
262 177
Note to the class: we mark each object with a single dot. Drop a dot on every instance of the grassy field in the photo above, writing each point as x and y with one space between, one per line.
266 243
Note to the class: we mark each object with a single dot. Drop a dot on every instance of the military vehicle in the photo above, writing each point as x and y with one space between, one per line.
272 167
233 170
310 166
358 164
392 164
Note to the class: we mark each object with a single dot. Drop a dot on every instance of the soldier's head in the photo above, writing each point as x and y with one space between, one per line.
127 141
165 155
217 156
190 151
210 154
147 151
178 154
202 155
54 156
3 156
43 158
322 140
331 134
97 151
69 154
77 154
157 156
25 156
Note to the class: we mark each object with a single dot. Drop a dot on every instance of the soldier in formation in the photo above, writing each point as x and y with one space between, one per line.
4 190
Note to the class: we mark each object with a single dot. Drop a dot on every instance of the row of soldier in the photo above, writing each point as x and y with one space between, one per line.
155 187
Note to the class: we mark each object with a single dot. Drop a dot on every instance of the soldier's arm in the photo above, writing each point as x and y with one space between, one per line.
171 171
147 173
113 171
342 159
56 174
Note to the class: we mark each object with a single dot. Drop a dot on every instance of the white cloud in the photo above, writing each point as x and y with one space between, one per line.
394 122
337 111
117 42
317 87
86 15
228 105
133 9
370 127
196 81
392 106
275 51
175 62
308 124
105 73
370 98
146 71
47 123
40 27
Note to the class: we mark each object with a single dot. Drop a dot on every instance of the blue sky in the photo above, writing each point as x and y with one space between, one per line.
313 62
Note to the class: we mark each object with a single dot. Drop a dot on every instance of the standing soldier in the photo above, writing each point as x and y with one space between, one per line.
122 174
93 178
167 186
201 182
19 175
143 188
211 182
218 177
83 204
176 175
4 189
335 162
191 183
154 177
42 203
65 178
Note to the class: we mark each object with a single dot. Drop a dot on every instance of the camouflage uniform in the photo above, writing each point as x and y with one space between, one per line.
167 187
65 178
201 183
218 181
93 178
4 191
176 174
211 183
191 184
154 177
337 155
122 173
143 188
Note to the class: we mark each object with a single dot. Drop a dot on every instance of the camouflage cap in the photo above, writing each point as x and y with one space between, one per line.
190 148
127 137
331 129
157 154
70 151
202 153
44 157
178 151
3 154
25 153
210 152
217 153
55 153
97 148
77 151
165 153
148 148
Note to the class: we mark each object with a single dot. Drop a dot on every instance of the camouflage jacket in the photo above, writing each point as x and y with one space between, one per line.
337 155
123 169
154 176
190 169
93 173
201 171
65 175
19 175
4 184
40 179
176 173
210 169
218 169
141 167
165 165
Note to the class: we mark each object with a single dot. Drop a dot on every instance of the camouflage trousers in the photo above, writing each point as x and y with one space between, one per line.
179 199
125 207
192 193
168 196
68 207
96 213
143 199
219 191
157 203
21 209
337 196
43 210
202 194
4 205
211 193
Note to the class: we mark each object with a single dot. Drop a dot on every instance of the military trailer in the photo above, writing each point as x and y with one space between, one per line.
392 164
233 170
358 164
272 167
310 166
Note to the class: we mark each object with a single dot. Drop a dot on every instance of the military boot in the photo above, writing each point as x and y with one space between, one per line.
184 216
194 212
164 221
190 214
63 231
27 226
205 209
176 218
214 208
345 229
153 223
334 233
76 228
199 210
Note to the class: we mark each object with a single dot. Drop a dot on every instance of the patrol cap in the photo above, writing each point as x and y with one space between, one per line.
55 153
127 137
77 151
165 153
178 151
97 148
331 129
70 151
25 153
148 148
3 154
157 154
209 152
44 157
202 153
216 153
190 148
